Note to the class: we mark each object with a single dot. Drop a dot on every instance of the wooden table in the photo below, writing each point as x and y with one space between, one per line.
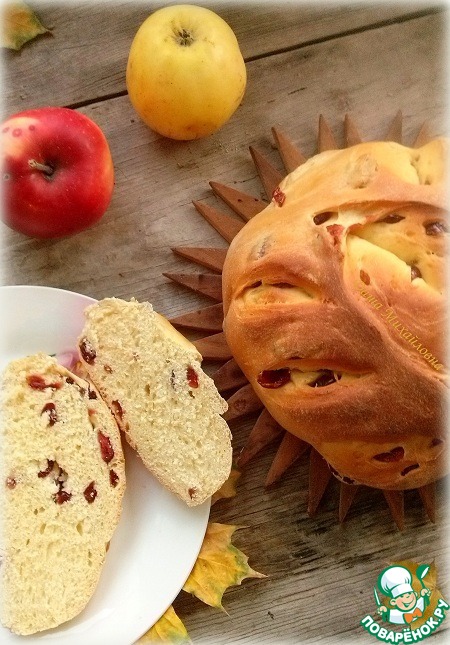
365 60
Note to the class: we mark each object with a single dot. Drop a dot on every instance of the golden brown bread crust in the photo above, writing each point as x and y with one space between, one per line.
334 309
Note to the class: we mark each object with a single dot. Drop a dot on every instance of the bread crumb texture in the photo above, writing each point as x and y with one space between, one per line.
63 480
169 409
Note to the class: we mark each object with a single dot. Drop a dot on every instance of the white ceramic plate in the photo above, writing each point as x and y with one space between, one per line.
158 538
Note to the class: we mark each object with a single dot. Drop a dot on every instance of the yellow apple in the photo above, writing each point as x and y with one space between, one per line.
185 73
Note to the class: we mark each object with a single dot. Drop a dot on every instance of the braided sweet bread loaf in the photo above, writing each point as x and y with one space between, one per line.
334 309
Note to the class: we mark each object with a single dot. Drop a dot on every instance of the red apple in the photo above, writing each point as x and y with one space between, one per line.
57 169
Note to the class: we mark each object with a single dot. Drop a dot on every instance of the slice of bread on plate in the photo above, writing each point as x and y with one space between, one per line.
63 481
169 409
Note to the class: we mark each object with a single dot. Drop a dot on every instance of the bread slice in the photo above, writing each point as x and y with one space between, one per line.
63 480
168 408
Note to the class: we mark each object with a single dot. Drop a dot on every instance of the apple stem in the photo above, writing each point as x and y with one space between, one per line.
47 170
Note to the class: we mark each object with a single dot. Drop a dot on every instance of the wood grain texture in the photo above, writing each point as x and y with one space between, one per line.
87 49
300 64
206 319
157 179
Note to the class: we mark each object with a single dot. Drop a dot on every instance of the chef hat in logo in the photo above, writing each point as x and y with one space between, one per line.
395 581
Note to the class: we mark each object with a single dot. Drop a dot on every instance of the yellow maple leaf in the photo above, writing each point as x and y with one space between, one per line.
169 629
228 488
219 565
19 25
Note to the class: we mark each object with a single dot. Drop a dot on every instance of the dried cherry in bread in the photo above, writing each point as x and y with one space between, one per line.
350 357
168 408
62 495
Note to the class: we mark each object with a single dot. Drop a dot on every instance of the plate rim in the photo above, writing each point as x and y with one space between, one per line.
142 625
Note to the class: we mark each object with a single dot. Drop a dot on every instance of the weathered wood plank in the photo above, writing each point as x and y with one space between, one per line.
320 574
96 37
127 252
